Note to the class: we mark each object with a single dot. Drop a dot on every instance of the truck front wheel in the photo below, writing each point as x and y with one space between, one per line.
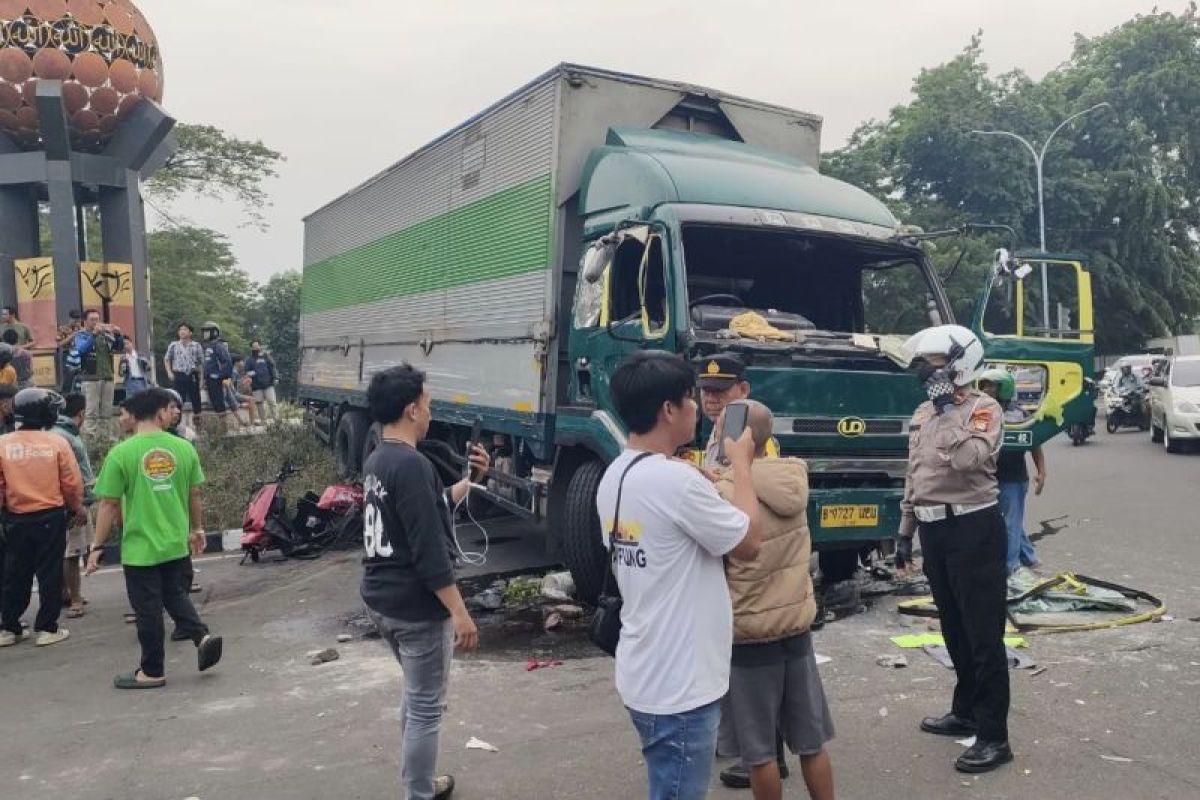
348 443
582 545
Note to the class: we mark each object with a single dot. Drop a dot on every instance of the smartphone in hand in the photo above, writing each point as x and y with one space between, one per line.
476 435
733 425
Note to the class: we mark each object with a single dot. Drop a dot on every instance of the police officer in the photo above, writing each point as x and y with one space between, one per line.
950 495
722 379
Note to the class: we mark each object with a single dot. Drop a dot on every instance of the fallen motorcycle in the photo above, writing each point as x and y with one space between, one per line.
330 520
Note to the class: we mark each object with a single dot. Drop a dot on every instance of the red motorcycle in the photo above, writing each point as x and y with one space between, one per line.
333 519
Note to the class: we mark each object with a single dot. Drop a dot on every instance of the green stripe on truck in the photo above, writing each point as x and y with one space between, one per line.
498 236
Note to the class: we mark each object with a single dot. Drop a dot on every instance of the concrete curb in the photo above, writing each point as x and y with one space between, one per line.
220 542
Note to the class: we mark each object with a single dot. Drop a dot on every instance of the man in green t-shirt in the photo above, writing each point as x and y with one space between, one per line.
151 482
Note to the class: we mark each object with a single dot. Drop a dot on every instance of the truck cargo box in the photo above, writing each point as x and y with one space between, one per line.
460 259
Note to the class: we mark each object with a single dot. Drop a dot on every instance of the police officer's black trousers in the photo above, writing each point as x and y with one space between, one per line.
965 563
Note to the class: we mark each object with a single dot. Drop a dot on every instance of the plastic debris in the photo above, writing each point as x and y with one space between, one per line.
324 656
479 744
968 742
1117 759
1038 671
534 663
344 637
912 641
895 662
822 659
883 712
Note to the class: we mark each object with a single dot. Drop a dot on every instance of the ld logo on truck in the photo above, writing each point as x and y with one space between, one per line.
851 426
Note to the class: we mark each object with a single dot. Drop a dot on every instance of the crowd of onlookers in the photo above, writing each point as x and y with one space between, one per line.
58 513
95 357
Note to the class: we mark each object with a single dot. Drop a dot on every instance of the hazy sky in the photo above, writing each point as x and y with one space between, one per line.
345 88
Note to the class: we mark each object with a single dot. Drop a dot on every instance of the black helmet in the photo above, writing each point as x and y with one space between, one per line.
37 408
211 326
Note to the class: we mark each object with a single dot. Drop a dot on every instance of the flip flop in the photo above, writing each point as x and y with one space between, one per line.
75 612
129 680
208 652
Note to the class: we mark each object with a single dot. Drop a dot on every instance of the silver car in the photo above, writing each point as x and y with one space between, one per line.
1175 403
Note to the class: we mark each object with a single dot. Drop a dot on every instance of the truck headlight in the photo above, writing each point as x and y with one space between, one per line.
1187 408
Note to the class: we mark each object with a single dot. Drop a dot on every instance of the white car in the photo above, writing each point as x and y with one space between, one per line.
1175 403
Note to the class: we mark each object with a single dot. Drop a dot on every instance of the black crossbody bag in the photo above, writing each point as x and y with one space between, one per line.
605 630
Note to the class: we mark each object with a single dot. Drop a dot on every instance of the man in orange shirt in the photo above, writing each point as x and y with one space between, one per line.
40 484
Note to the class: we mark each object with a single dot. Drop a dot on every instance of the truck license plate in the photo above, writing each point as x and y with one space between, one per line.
849 516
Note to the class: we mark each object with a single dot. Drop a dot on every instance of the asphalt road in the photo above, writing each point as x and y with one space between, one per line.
1113 715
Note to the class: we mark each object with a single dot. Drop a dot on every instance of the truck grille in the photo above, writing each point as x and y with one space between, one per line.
829 425
842 454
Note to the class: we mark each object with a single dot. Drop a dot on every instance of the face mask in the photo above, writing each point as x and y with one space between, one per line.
940 389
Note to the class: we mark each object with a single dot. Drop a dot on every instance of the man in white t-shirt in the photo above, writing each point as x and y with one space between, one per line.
672 530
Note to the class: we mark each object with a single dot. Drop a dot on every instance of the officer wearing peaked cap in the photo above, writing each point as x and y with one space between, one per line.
950 496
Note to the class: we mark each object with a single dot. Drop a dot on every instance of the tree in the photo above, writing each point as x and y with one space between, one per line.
1123 187
211 163
194 278
274 320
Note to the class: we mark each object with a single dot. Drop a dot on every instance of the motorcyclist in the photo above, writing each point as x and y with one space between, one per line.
1129 380
218 369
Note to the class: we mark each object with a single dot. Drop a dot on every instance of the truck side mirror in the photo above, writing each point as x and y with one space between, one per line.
597 258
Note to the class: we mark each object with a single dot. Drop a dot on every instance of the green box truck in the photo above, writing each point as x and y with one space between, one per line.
520 256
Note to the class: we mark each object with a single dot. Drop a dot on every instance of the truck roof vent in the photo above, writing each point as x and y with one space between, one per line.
699 113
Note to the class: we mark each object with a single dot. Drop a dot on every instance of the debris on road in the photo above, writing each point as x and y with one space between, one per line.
534 663
552 621
968 742
318 657
1038 671
822 659
478 744
559 587
895 662
567 611
344 637
1117 759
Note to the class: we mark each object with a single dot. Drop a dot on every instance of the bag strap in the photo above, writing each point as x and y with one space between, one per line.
617 520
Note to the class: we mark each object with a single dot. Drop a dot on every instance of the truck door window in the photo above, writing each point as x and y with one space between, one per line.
1018 308
624 290
588 299
653 289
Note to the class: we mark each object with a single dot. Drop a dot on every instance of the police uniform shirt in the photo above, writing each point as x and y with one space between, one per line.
952 455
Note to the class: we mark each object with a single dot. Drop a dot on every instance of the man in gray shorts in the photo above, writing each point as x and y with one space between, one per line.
774 685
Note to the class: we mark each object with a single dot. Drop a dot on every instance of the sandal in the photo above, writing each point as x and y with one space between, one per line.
130 618
75 612
130 680
208 652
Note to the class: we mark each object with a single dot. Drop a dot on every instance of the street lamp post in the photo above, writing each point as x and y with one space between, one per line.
1039 158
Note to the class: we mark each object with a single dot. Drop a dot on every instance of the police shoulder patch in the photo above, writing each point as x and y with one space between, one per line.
981 419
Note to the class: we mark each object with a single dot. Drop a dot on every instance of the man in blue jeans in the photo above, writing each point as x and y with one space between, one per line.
1012 472
408 570
668 530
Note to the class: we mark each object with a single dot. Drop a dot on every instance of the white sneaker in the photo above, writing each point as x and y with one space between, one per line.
46 638
8 638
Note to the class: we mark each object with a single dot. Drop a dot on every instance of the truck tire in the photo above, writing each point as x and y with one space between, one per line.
348 443
372 440
582 545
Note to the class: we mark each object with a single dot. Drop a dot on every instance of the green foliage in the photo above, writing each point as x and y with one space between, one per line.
1121 185
193 278
232 463
213 164
274 319
523 592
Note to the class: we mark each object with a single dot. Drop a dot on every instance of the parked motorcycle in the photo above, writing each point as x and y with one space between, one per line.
1127 408
332 519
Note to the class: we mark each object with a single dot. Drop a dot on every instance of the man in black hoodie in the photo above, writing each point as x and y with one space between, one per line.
408 576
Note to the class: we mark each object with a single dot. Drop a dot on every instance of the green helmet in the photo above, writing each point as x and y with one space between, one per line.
1005 383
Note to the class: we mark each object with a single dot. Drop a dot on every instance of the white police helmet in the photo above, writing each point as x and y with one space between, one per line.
956 343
